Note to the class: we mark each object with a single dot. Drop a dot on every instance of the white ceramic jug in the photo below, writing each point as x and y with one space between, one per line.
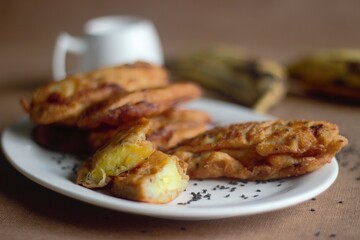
109 41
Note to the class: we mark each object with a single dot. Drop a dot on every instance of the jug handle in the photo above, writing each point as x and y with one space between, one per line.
65 43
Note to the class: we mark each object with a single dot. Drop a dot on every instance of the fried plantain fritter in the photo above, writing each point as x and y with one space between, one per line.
61 139
129 106
65 100
175 126
159 179
261 150
166 130
126 150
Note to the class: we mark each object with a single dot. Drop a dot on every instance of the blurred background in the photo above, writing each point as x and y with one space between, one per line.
277 29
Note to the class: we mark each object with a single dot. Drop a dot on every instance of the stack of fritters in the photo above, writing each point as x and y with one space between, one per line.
104 112
137 170
126 117
91 107
166 130
64 101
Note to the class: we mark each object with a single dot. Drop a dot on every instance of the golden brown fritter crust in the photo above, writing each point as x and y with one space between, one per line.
129 106
61 139
173 127
66 99
166 130
159 179
261 150
126 150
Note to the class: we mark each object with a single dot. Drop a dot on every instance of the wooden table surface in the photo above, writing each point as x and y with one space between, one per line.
276 29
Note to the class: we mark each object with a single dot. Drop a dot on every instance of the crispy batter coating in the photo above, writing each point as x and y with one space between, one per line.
67 99
159 179
126 150
166 130
129 106
175 126
61 139
261 150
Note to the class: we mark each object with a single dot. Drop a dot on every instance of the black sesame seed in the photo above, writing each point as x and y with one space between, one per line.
75 168
195 184
340 202
232 189
258 190
317 234
313 210
242 185
227 196
313 199
233 182
195 197
332 235
207 196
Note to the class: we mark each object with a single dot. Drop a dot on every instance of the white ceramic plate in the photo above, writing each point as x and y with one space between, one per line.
207 199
